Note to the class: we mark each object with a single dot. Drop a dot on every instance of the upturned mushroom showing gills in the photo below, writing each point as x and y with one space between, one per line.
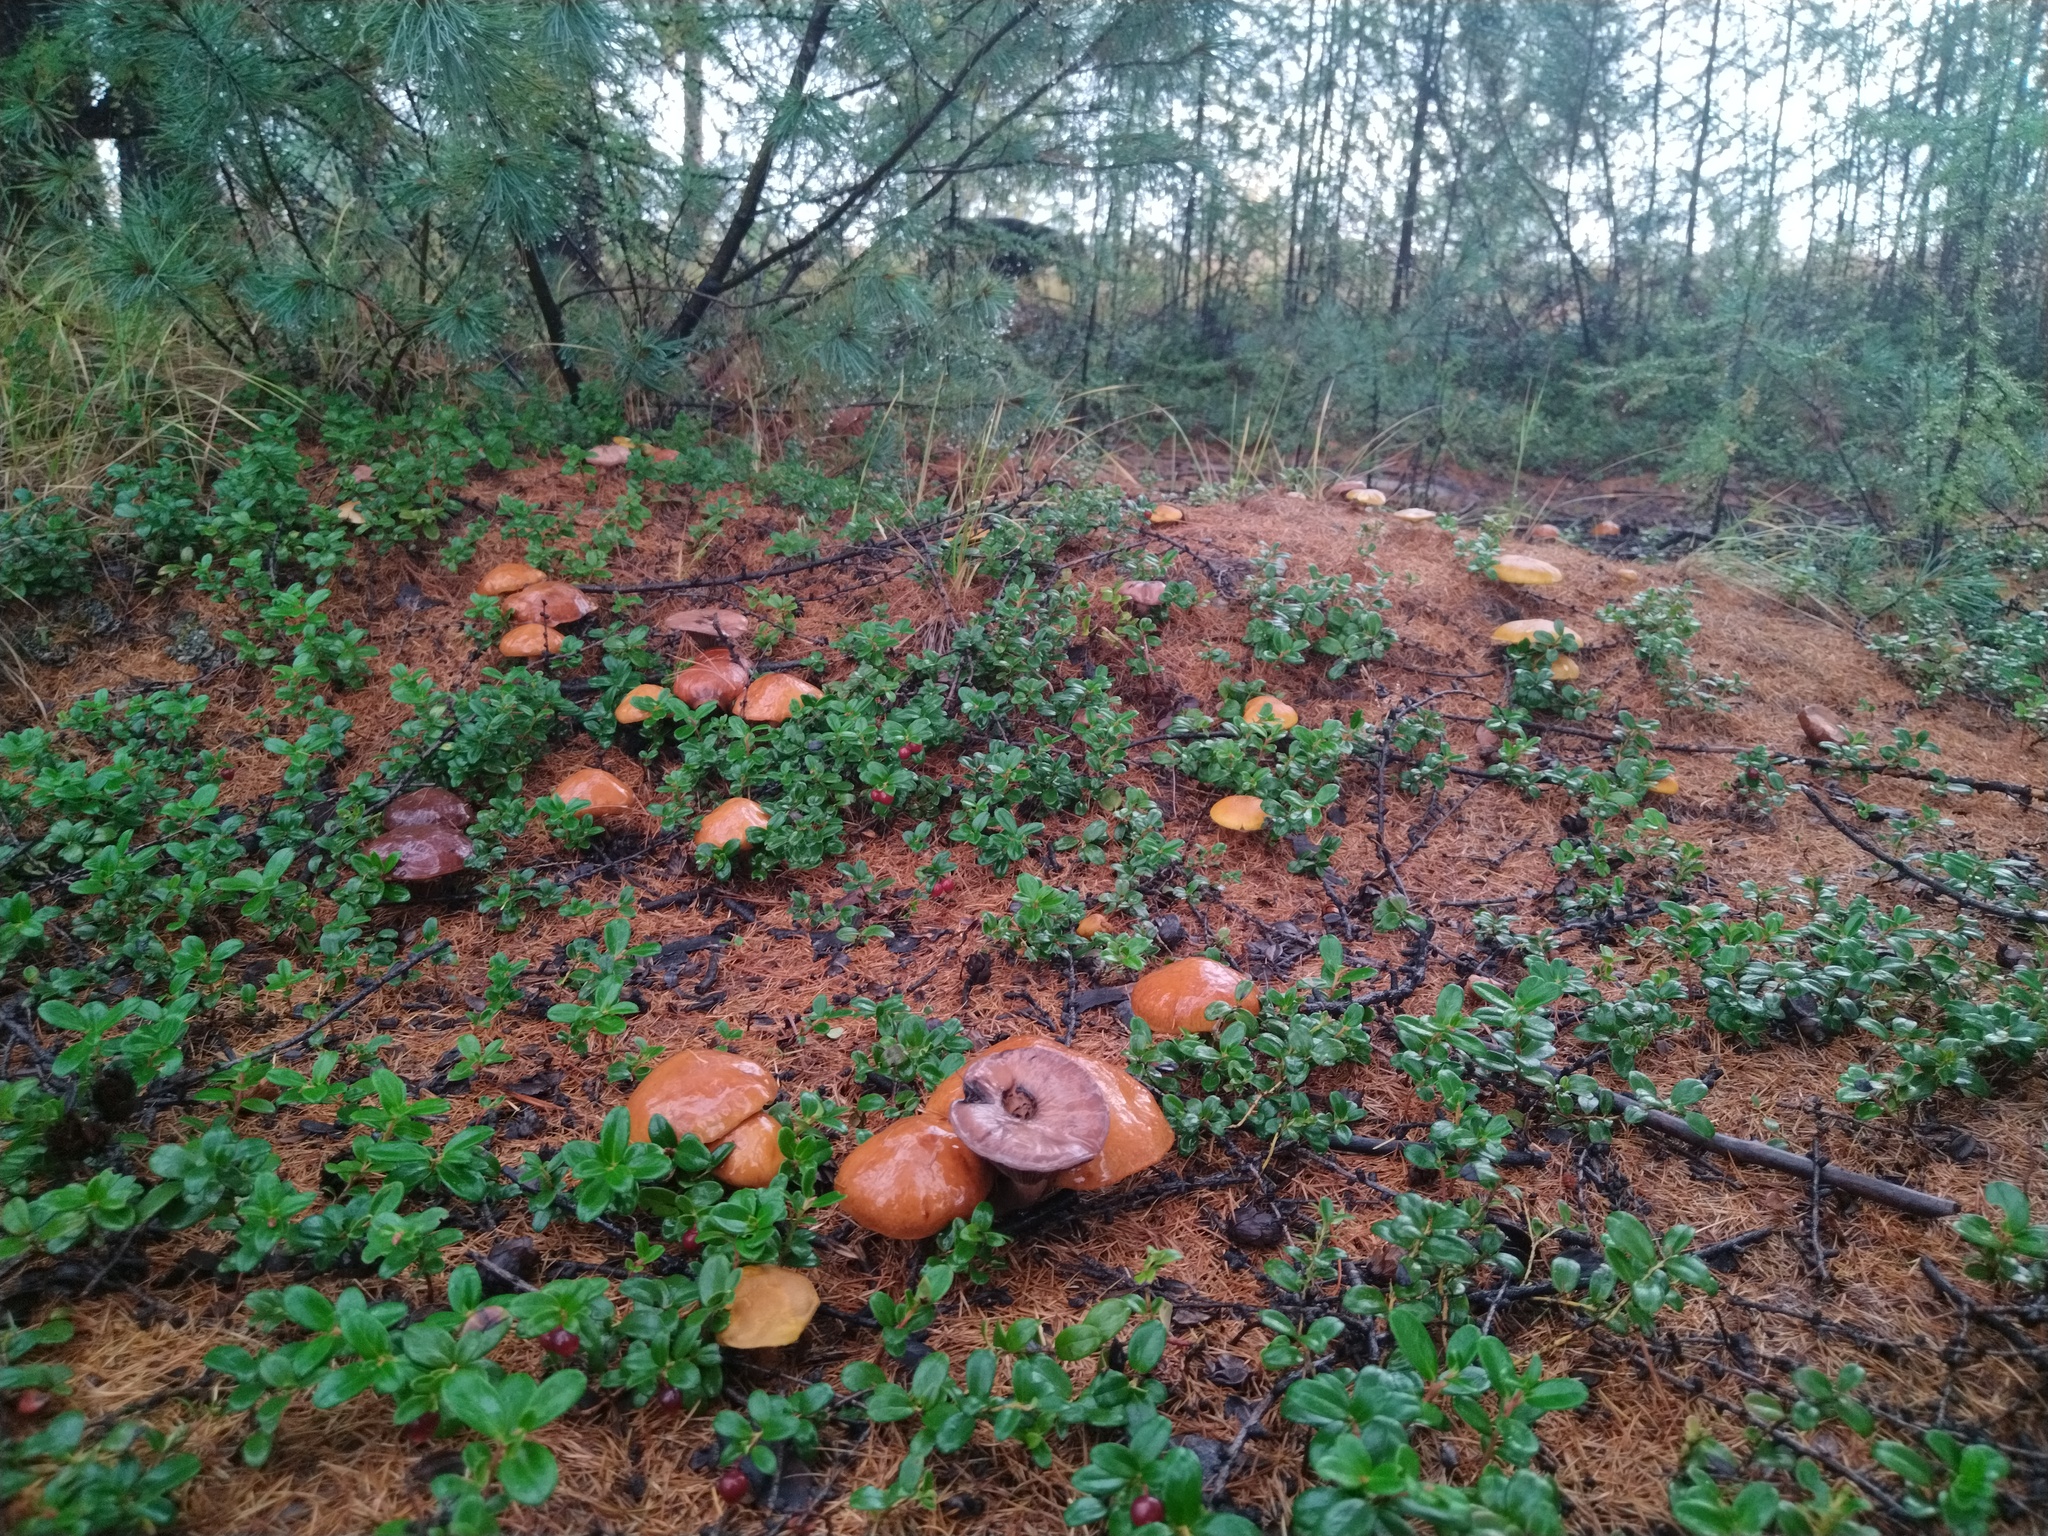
549 602
529 640
734 820
704 1094
1526 571
423 853
1267 710
504 580
606 800
711 680
1175 998
769 699
431 807
707 626
1138 1133
1523 629
911 1179
771 1307
1030 1114
1238 813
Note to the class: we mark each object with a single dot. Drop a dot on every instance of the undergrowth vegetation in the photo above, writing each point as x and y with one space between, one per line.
189 914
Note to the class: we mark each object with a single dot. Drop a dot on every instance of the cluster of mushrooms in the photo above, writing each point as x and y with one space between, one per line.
1020 1119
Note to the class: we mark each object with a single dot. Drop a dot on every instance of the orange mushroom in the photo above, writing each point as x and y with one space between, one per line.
734 820
1607 528
1138 1134
529 640
1175 998
756 1155
1668 785
1238 813
637 705
711 680
503 580
911 1179
1366 496
606 800
771 1307
705 1094
1526 571
770 698
1166 512
1268 710
1091 925
549 602
1823 728
1524 629
1563 669
1546 532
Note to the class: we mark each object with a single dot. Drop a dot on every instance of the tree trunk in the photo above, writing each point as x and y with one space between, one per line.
1434 27
1699 151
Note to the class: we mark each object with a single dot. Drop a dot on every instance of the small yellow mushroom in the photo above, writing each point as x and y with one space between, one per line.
1167 512
1366 496
1526 571
1268 710
1415 515
1668 785
1238 813
1524 629
770 1308
1091 925
1563 669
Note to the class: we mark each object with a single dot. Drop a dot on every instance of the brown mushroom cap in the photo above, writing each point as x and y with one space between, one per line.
911 1179
1272 711
771 1307
609 455
1173 999
756 1155
711 680
1546 532
430 807
1367 496
1823 727
1032 1113
769 698
1526 571
531 640
1606 528
606 800
503 580
1563 669
424 853
1091 925
637 705
701 1093
1144 594
707 626
549 602
736 819
1138 1133
1238 813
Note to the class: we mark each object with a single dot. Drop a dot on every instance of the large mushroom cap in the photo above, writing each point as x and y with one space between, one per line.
706 626
1366 496
637 705
1524 629
1031 1111
700 1093
712 680
423 853
1144 594
1166 512
431 807
771 1307
912 1178
770 698
1138 1133
1271 711
1238 813
1526 571
549 602
756 1155
1174 999
1414 515
606 800
736 819
528 640
1823 727
503 580
1546 532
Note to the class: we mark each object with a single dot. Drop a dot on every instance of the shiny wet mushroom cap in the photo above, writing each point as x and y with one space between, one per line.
711 680
912 1179
525 640
503 580
1526 571
769 699
638 703
605 799
1031 1113
423 853
771 1307
1822 727
549 602
734 820
1238 813
1524 629
431 807
1271 710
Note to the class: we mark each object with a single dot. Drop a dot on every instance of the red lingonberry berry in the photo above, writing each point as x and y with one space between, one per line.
31 1403
881 797
690 1244
421 1429
560 1342
1146 1508
733 1486
906 752
943 886
668 1400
